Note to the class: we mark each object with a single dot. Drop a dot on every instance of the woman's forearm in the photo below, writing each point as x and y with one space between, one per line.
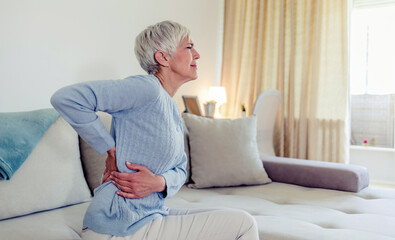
78 105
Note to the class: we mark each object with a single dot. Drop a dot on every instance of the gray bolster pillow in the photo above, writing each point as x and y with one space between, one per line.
309 173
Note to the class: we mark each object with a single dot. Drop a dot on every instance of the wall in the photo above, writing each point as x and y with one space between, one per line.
47 44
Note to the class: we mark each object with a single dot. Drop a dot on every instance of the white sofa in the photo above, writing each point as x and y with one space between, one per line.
47 197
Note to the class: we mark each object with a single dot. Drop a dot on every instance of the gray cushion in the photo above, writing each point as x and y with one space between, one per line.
317 174
224 152
93 163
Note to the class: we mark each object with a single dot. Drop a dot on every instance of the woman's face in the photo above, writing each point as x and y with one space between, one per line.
183 61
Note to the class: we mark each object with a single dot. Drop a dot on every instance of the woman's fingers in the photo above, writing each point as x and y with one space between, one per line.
123 176
111 165
136 167
123 187
122 183
126 195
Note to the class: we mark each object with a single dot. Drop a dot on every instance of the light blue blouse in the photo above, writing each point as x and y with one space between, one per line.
147 130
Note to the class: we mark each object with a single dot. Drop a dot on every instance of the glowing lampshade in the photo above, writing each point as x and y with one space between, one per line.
217 94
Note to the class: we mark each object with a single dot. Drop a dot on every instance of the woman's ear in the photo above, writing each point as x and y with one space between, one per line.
162 58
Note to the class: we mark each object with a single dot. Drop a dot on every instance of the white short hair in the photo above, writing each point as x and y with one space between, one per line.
164 36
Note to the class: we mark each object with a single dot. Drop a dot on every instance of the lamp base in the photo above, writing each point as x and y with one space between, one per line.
209 109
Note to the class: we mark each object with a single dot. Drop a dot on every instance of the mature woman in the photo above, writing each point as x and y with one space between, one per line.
146 146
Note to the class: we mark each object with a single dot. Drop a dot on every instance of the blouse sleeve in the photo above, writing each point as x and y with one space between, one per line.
79 103
175 178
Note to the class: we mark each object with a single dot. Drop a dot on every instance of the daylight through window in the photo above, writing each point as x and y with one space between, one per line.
372 76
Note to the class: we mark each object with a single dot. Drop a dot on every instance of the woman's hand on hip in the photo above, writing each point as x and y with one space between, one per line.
111 165
138 184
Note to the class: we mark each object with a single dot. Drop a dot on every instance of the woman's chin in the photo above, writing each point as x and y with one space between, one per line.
192 78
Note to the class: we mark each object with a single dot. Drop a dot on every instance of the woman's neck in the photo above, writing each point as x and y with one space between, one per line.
169 84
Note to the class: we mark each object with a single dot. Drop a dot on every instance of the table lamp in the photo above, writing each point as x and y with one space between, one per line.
217 94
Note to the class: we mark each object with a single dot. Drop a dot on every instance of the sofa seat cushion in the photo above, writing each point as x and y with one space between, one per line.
61 223
282 211
285 211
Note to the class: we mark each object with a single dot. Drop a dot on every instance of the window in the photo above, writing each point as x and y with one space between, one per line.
372 76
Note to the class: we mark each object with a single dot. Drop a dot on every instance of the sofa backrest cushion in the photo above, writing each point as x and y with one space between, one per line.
93 163
187 152
51 177
224 152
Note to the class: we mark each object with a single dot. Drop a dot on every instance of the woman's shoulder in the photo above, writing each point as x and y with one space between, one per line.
145 81
146 85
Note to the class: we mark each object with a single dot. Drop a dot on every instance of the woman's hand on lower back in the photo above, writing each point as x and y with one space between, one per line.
111 165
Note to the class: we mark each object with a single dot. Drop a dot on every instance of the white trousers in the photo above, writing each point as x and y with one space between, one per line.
192 224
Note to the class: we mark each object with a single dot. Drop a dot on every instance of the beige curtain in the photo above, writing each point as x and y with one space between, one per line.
299 47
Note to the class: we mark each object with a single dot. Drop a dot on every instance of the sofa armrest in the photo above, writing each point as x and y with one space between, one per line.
317 174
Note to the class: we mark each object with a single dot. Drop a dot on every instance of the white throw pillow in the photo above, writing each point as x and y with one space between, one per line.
224 152
51 177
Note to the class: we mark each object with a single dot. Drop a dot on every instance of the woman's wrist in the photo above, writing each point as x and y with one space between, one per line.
111 152
161 183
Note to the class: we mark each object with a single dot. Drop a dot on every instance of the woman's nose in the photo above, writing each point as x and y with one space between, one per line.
196 55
